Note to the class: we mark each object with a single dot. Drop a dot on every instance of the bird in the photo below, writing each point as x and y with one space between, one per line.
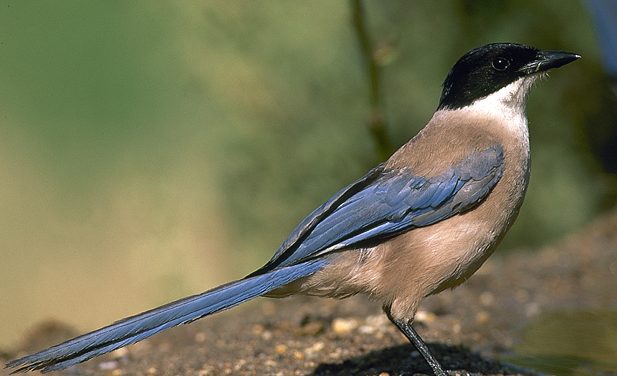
419 223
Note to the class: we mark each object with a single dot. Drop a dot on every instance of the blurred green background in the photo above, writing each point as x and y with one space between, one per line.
149 150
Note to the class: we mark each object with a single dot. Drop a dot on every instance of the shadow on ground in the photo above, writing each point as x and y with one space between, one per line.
403 360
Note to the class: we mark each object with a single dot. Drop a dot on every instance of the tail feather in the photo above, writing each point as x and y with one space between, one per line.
136 328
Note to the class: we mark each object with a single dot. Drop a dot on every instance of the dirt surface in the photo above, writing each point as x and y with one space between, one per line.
468 329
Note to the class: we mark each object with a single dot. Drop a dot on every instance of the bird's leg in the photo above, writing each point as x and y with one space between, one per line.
416 340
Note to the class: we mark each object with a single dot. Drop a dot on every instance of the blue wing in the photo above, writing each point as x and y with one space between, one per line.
385 202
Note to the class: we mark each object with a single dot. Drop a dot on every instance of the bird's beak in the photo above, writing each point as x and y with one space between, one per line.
546 60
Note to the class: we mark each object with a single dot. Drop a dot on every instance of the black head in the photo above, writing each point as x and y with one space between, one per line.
486 69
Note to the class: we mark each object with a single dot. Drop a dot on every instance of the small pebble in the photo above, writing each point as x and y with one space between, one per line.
482 317
266 335
206 370
200 337
238 366
108 365
487 298
152 371
270 363
336 354
367 329
298 355
343 327
456 328
280 348
121 352
425 317
317 347
258 329
378 321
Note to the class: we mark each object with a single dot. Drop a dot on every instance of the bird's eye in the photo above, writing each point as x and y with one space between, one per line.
501 63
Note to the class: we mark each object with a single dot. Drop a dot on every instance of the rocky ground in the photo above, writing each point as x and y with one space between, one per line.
469 329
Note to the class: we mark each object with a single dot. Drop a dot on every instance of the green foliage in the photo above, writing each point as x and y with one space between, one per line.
272 98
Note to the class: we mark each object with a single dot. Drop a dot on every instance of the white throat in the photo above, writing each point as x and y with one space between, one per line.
508 105
511 98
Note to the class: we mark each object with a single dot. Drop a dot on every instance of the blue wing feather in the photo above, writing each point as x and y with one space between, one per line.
341 198
385 202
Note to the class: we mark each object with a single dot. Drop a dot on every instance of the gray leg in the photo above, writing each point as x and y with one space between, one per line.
416 340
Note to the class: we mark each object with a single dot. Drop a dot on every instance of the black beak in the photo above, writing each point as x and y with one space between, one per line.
546 60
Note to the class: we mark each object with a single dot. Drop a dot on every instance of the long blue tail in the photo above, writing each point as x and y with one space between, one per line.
135 328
